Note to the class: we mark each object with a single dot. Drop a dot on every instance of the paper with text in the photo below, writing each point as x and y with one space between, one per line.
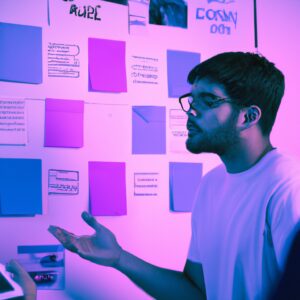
63 182
13 121
145 184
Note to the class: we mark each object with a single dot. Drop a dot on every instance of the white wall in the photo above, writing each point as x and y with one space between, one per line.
149 230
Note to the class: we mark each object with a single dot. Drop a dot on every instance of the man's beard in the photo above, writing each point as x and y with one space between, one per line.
218 141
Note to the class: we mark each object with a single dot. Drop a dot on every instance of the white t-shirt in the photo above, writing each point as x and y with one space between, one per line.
243 225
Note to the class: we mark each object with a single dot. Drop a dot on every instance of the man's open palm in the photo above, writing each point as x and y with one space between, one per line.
101 248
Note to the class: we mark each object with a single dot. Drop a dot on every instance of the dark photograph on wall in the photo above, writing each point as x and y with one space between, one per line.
168 13
123 2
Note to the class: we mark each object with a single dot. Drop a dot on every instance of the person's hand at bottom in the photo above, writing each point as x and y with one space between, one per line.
101 248
21 277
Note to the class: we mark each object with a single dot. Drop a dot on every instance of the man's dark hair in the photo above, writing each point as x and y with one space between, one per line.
248 79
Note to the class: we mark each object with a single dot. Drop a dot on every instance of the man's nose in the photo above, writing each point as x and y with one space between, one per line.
193 111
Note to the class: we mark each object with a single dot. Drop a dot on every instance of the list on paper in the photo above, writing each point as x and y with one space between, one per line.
13 123
144 70
63 60
145 184
63 182
178 131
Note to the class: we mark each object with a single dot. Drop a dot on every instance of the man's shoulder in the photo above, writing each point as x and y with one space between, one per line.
285 166
219 170
217 173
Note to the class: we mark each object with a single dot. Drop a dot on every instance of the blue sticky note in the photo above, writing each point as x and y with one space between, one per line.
148 130
184 181
20 53
179 64
20 187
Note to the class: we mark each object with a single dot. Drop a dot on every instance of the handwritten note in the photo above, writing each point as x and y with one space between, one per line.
63 60
144 70
177 131
13 124
145 184
63 182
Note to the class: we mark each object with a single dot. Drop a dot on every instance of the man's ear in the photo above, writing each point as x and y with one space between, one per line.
249 116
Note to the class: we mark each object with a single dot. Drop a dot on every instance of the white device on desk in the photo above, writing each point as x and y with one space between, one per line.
8 287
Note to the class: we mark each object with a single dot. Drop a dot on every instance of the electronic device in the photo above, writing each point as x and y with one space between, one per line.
8 287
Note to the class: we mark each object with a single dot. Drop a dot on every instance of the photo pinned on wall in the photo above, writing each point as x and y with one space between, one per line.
138 16
63 182
146 184
63 60
122 2
13 125
169 13
45 265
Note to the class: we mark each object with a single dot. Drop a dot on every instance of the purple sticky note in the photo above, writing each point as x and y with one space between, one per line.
64 123
107 188
107 69
184 181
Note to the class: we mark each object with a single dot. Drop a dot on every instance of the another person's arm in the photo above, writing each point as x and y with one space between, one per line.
102 248
23 279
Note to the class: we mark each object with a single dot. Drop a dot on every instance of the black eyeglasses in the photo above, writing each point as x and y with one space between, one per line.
204 100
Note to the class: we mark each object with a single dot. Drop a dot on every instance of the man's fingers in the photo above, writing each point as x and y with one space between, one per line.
90 220
68 240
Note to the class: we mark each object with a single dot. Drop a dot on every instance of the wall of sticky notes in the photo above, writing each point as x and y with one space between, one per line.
90 121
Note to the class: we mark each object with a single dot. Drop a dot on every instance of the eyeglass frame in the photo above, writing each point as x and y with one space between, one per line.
213 104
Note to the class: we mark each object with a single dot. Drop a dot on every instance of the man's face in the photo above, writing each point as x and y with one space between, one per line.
210 129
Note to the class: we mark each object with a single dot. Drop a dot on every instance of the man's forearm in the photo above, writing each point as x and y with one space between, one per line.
158 282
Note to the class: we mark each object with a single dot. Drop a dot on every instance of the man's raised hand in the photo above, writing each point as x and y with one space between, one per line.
101 248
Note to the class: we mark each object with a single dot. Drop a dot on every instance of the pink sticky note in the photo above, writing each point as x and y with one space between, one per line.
107 187
107 69
64 123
